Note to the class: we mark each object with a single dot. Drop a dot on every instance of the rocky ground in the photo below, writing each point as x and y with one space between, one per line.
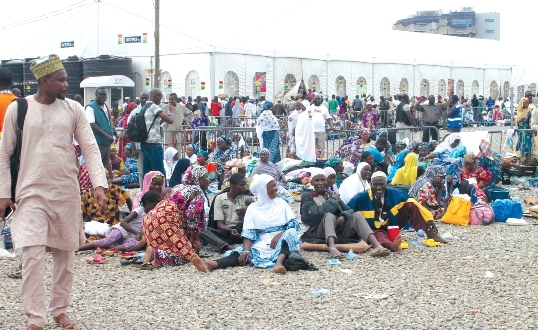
429 288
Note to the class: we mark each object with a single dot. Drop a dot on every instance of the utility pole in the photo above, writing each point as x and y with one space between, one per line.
156 81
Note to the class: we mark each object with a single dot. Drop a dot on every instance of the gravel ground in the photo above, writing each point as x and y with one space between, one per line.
430 288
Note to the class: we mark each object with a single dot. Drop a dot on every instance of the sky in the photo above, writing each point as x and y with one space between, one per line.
308 25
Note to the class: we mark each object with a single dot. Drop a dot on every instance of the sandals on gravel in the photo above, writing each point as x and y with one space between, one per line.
381 253
34 327
15 274
132 261
64 322
146 266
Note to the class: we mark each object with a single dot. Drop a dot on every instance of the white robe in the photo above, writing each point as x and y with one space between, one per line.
305 141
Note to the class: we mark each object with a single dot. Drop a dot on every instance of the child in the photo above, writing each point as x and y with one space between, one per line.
129 231
423 151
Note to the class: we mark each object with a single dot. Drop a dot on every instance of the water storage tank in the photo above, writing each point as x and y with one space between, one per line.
106 65
30 83
16 68
73 67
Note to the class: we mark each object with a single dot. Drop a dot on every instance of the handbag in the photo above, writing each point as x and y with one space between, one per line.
481 214
15 159
295 262
457 212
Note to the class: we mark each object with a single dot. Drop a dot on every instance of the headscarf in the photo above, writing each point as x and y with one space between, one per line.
470 157
146 183
224 138
181 166
194 147
446 145
425 145
267 168
400 158
266 212
267 105
338 100
130 107
113 148
400 143
266 122
354 184
203 153
237 109
432 142
407 175
192 175
362 131
329 171
380 132
522 112
332 162
485 149
316 171
413 144
169 154
429 175
129 146
265 151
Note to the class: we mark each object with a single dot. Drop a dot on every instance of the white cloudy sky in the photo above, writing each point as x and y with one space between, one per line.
321 25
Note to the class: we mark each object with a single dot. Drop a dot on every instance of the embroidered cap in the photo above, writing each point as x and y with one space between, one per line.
46 65
379 174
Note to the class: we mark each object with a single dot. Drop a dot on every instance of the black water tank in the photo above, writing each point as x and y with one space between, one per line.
106 65
30 83
16 68
73 68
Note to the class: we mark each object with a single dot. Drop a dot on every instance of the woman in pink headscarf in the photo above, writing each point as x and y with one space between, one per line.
153 181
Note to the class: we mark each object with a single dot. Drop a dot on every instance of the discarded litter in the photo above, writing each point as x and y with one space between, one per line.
446 235
334 262
269 282
374 295
321 292
352 255
347 271
415 244
488 274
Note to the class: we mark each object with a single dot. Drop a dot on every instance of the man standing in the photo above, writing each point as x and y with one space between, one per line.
144 96
6 96
152 148
98 116
384 107
181 114
79 99
431 112
356 104
279 109
404 118
47 194
454 115
490 103
291 104
189 103
310 131
215 107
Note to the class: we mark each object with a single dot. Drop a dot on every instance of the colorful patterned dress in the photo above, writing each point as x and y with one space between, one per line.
132 164
428 196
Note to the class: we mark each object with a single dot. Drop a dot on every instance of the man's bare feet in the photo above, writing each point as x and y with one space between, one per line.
199 264
398 243
335 254
279 270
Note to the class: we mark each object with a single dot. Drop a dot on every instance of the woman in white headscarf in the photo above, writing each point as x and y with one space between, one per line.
356 183
237 110
269 231
446 148
171 155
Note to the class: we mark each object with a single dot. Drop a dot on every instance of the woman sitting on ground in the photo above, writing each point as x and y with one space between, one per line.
153 181
181 166
337 164
128 232
191 151
383 133
222 153
423 151
380 153
408 174
354 146
430 190
446 149
172 227
330 180
171 155
116 163
265 166
488 162
130 173
269 231
471 170
356 183
368 158
201 159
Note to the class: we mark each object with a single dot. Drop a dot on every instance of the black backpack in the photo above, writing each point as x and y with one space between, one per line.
136 129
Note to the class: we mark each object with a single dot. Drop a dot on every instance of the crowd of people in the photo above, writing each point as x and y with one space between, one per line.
202 189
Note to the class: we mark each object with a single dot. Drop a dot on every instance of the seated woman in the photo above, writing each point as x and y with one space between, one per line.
115 197
337 164
383 133
330 180
269 231
181 166
267 167
171 155
488 162
472 170
368 158
130 173
423 151
399 163
172 227
191 151
233 166
508 160
128 232
380 153
408 174
201 159
116 163
400 145
222 153
153 181
446 148
354 146
430 190
356 183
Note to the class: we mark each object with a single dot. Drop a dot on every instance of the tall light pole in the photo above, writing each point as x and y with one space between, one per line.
156 81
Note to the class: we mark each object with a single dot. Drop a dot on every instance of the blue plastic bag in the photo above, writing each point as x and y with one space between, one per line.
507 208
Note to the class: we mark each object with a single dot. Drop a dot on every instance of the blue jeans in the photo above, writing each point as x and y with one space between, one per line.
153 158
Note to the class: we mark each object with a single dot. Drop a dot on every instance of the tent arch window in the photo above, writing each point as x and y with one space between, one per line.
341 86
385 87
289 81
475 89
442 88
424 88
313 83
494 90
532 88
192 84
139 84
460 88
506 89
362 87
163 84
231 84
404 86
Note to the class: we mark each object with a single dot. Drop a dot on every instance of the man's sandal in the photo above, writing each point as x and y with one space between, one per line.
64 322
34 327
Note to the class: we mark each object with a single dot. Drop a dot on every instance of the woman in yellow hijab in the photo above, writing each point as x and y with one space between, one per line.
523 121
407 175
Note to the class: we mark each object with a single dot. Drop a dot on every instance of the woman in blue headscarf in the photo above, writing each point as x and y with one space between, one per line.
222 153
268 132
129 175
191 152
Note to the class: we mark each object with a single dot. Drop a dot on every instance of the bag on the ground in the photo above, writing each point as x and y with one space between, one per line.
457 212
507 208
295 262
136 128
481 214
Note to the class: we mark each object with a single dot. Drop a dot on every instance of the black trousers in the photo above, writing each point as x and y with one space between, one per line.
426 133
233 259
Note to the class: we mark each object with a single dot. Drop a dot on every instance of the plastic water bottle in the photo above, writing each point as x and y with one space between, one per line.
420 237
